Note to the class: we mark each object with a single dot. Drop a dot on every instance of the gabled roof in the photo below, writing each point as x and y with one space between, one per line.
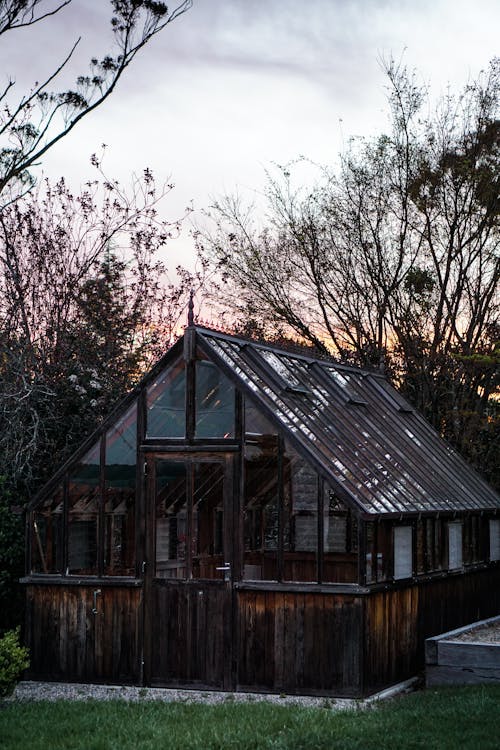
380 454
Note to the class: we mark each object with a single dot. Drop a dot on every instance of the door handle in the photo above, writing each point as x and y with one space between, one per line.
97 592
226 568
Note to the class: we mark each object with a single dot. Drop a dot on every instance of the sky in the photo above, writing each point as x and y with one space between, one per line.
233 86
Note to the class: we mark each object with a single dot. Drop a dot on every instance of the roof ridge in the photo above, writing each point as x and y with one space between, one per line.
290 346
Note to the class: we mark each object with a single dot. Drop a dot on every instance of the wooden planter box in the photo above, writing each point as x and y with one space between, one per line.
451 661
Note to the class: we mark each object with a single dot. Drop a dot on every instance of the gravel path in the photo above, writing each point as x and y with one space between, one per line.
53 691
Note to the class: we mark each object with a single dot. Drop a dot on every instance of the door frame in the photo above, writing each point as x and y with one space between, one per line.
231 533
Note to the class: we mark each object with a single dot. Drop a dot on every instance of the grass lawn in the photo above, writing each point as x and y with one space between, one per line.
449 718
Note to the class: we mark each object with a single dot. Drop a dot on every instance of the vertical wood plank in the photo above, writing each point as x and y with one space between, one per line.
279 641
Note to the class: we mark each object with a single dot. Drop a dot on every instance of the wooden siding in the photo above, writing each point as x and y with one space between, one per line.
398 621
391 637
299 642
68 642
189 630
260 638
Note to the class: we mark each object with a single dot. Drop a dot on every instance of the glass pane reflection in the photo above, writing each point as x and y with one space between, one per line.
171 519
166 401
340 540
208 519
83 514
120 483
261 513
46 537
300 532
214 402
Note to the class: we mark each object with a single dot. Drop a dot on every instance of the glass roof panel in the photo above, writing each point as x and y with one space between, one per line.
391 396
383 465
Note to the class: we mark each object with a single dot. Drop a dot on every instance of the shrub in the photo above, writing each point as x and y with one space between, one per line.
11 561
13 660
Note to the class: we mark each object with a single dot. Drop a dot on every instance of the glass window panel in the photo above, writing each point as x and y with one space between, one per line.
166 403
208 520
440 530
47 535
214 402
120 488
433 545
378 551
335 526
171 519
420 551
83 514
429 558
476 553
455 558
472 552
403 552
256 424
261 513
371 554
385 548
300 518
494 539
340 540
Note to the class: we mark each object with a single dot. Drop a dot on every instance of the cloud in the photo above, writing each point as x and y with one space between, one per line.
233 84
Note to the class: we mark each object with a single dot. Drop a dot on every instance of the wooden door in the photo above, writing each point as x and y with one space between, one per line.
188 588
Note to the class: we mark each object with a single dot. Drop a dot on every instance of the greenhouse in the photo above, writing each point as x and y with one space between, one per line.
257 518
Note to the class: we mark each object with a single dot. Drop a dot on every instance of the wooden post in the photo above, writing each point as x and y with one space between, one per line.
321 529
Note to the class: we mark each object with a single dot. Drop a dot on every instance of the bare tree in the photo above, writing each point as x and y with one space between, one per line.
32 124
392 259
16 14
85 307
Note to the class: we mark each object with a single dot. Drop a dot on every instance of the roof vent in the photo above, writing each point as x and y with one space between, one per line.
350 395
284 372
